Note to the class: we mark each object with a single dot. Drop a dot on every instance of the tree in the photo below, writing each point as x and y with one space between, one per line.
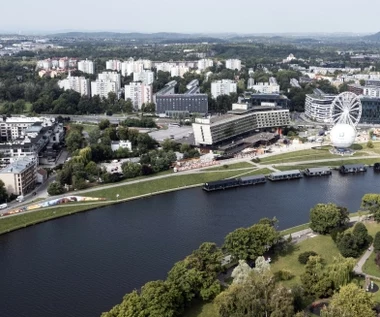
360 232
249 243
73 141
130 169
3 192
326 217
304 257
257 296
351 301
347 245
94 136
370 144
371 202
376 242
55 188
104 124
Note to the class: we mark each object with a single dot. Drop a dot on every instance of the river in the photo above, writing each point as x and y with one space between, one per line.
83 264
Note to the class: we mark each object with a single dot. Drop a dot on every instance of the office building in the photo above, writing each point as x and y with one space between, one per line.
113 65
241 120
86 66
20 176
139 94
272 100
205 63
223 87
145 76
317 106
370 110
233 64
173 105
78 84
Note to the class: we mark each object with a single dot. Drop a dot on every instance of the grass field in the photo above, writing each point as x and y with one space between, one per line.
264 171
163 184
322 245
230 166
23 220
304 155
370 266
200 309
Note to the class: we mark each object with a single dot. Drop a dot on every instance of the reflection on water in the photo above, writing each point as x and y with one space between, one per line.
83 264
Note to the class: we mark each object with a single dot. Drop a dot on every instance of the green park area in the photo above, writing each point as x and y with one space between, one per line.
230 166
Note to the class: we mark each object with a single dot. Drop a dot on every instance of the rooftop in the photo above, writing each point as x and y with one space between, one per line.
19 165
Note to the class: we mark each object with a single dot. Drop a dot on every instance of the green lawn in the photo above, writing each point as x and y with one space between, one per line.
158 185
201 309
295 229
23 220
89 127
304 155
323 245
370 266
264 171
230 166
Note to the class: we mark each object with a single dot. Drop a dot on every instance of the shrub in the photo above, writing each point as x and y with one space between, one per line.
283 275
304 257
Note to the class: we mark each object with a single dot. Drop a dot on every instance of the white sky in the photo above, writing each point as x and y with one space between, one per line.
193 16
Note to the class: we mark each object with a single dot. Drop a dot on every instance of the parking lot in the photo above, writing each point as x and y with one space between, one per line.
173 132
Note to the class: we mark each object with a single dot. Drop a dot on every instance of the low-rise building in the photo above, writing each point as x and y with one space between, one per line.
122 144
20 176
270 87
241 120
173 105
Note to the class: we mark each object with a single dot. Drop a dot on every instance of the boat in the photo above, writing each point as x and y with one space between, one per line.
222 184
376 167
286 175
252 180
352 169
317 171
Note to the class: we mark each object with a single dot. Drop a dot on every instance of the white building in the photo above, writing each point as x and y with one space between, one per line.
102 88
20 176
165 67
86 66
131 66
241 120
205 63
233 64
111 76
115 145
146 77
371 91
78 84
223 87
250 83
113 65
139 94
289 59
179 71
270 87
317 106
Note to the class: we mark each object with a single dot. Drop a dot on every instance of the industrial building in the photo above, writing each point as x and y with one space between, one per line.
242 119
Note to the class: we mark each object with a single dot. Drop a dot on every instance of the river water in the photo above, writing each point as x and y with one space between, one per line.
83 264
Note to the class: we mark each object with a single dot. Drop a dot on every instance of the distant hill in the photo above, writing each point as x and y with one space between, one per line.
374 37
130 36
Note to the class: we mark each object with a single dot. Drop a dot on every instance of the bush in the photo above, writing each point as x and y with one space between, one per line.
376 242
55 188
304 257
283 275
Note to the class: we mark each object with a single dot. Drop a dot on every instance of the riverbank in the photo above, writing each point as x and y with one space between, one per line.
127 192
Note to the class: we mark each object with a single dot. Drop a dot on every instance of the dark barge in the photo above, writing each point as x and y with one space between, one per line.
317 171
234 182
352 168
376 167
286 175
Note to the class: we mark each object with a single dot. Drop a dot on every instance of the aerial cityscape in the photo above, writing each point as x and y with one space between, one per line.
197 164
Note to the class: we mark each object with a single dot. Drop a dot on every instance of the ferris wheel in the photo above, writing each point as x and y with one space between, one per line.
346 108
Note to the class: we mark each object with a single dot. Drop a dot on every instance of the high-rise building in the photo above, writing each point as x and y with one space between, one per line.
205 63
139 94
113 65
107 82
233 64
146 77
78 84
223 87
111 76
86 66
131 66
165 67
178 71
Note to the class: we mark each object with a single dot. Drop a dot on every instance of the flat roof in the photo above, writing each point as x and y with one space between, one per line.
353 165
285 173
318 169
248 178
18 166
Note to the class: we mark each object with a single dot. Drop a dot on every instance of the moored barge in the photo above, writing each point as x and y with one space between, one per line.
317 171
286 175
352 168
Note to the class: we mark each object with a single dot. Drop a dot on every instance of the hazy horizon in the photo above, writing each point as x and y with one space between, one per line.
241 17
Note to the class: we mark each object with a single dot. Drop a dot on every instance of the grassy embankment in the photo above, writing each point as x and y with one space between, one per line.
126 192
323 245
